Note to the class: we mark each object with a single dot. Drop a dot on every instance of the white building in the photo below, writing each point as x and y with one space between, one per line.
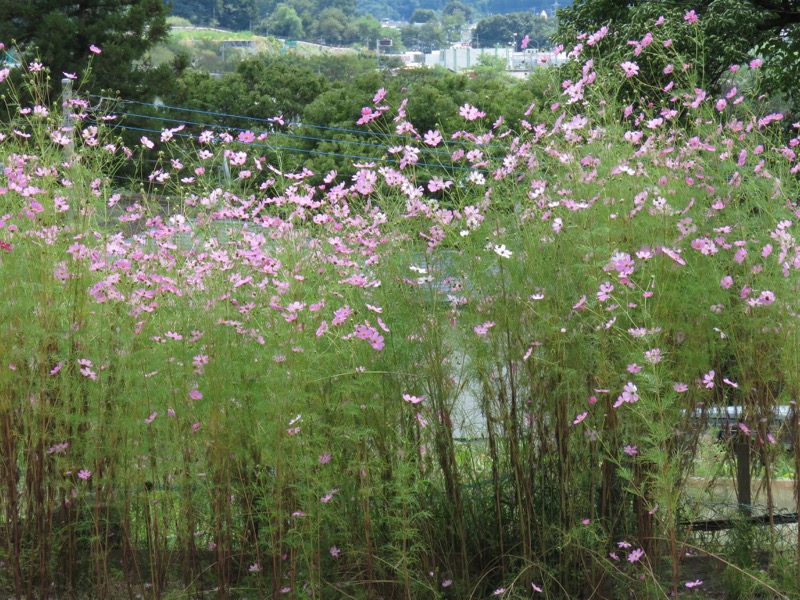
464 58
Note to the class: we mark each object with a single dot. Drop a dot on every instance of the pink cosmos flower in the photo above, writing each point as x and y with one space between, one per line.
755 63
432 138
327 497
708 379
484 328
413 399
690 17
470 113
84 474
580 418
630 68
636 554
653 356
334 551
631 450
95 49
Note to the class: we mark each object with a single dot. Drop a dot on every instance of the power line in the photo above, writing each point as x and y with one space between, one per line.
319 153
273 134
271 121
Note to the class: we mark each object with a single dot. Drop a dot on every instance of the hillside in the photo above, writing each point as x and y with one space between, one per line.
254 14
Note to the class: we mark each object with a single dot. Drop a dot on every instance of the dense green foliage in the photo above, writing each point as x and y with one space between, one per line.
511 28
60 32
730 32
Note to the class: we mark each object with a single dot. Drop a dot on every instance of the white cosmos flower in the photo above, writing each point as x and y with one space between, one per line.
502 251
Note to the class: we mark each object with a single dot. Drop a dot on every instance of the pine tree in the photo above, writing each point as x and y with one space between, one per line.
59 33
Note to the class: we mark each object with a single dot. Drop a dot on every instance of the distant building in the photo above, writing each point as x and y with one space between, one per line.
461 58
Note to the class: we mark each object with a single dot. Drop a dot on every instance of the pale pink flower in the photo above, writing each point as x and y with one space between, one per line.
630 68
636 554
484 328
432 138
95 49
708 379
470 113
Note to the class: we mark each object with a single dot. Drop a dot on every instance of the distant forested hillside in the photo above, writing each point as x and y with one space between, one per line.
248 14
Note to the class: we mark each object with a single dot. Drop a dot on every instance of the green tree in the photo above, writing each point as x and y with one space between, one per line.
453 24
456 6
238 15
369 30
285 22
60 32
429 36
512 28
277 86
348 7
423 15
333 27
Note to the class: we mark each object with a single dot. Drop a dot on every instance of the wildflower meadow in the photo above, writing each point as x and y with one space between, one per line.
480 367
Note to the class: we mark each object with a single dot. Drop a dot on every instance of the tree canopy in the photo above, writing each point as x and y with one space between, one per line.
59 33
512 28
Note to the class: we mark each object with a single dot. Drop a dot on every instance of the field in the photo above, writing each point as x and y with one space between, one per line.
479 367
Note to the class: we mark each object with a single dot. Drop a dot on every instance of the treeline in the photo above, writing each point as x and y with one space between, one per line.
242 15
